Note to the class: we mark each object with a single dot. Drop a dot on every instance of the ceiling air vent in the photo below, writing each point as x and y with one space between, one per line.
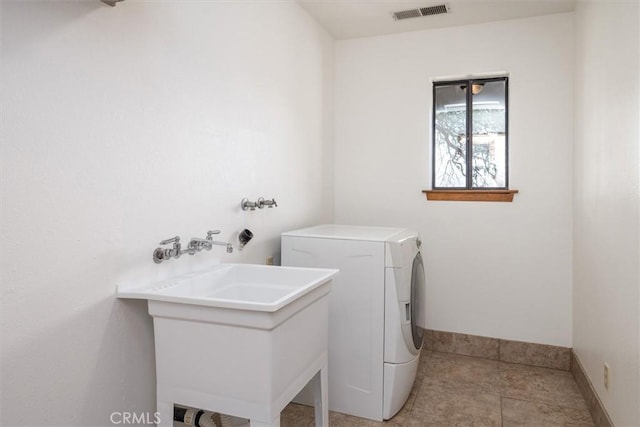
434 10
423 11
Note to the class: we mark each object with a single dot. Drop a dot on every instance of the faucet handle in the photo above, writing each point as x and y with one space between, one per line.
210 233
171 240
269 203
246 204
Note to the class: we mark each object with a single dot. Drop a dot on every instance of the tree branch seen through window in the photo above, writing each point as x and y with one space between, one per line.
470 134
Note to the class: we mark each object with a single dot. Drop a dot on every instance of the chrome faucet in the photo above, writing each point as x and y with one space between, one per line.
246 204
269 203
195 245
213 242
160 254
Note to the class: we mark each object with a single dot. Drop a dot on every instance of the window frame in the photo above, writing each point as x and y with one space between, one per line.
469 133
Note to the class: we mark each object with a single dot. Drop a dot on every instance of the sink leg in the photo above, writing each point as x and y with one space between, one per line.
274 423
165 413
321 397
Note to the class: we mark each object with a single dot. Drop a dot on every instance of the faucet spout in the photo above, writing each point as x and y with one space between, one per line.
209 242
229 246
195 245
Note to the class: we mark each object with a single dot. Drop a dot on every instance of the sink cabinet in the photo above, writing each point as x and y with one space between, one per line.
249 362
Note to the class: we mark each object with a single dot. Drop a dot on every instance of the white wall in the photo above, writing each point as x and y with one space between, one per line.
493 269
124 126
606 309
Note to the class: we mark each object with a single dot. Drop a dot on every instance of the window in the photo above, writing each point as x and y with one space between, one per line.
470 140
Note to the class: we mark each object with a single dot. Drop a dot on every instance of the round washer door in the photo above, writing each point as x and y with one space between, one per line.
417 294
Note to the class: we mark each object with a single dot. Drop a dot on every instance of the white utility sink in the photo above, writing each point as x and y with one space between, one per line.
239 339
238 286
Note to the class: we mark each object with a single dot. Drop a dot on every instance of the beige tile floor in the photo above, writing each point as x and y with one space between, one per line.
453 390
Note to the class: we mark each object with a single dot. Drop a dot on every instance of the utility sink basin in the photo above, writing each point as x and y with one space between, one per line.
239 339
237 286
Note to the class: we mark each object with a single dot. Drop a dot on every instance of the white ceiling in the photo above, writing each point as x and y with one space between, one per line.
345 19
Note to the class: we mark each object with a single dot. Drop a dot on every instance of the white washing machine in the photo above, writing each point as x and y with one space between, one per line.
374 312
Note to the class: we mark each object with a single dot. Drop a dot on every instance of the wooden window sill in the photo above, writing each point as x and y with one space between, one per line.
471 195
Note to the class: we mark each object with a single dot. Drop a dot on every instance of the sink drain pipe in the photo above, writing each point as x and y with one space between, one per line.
200 418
